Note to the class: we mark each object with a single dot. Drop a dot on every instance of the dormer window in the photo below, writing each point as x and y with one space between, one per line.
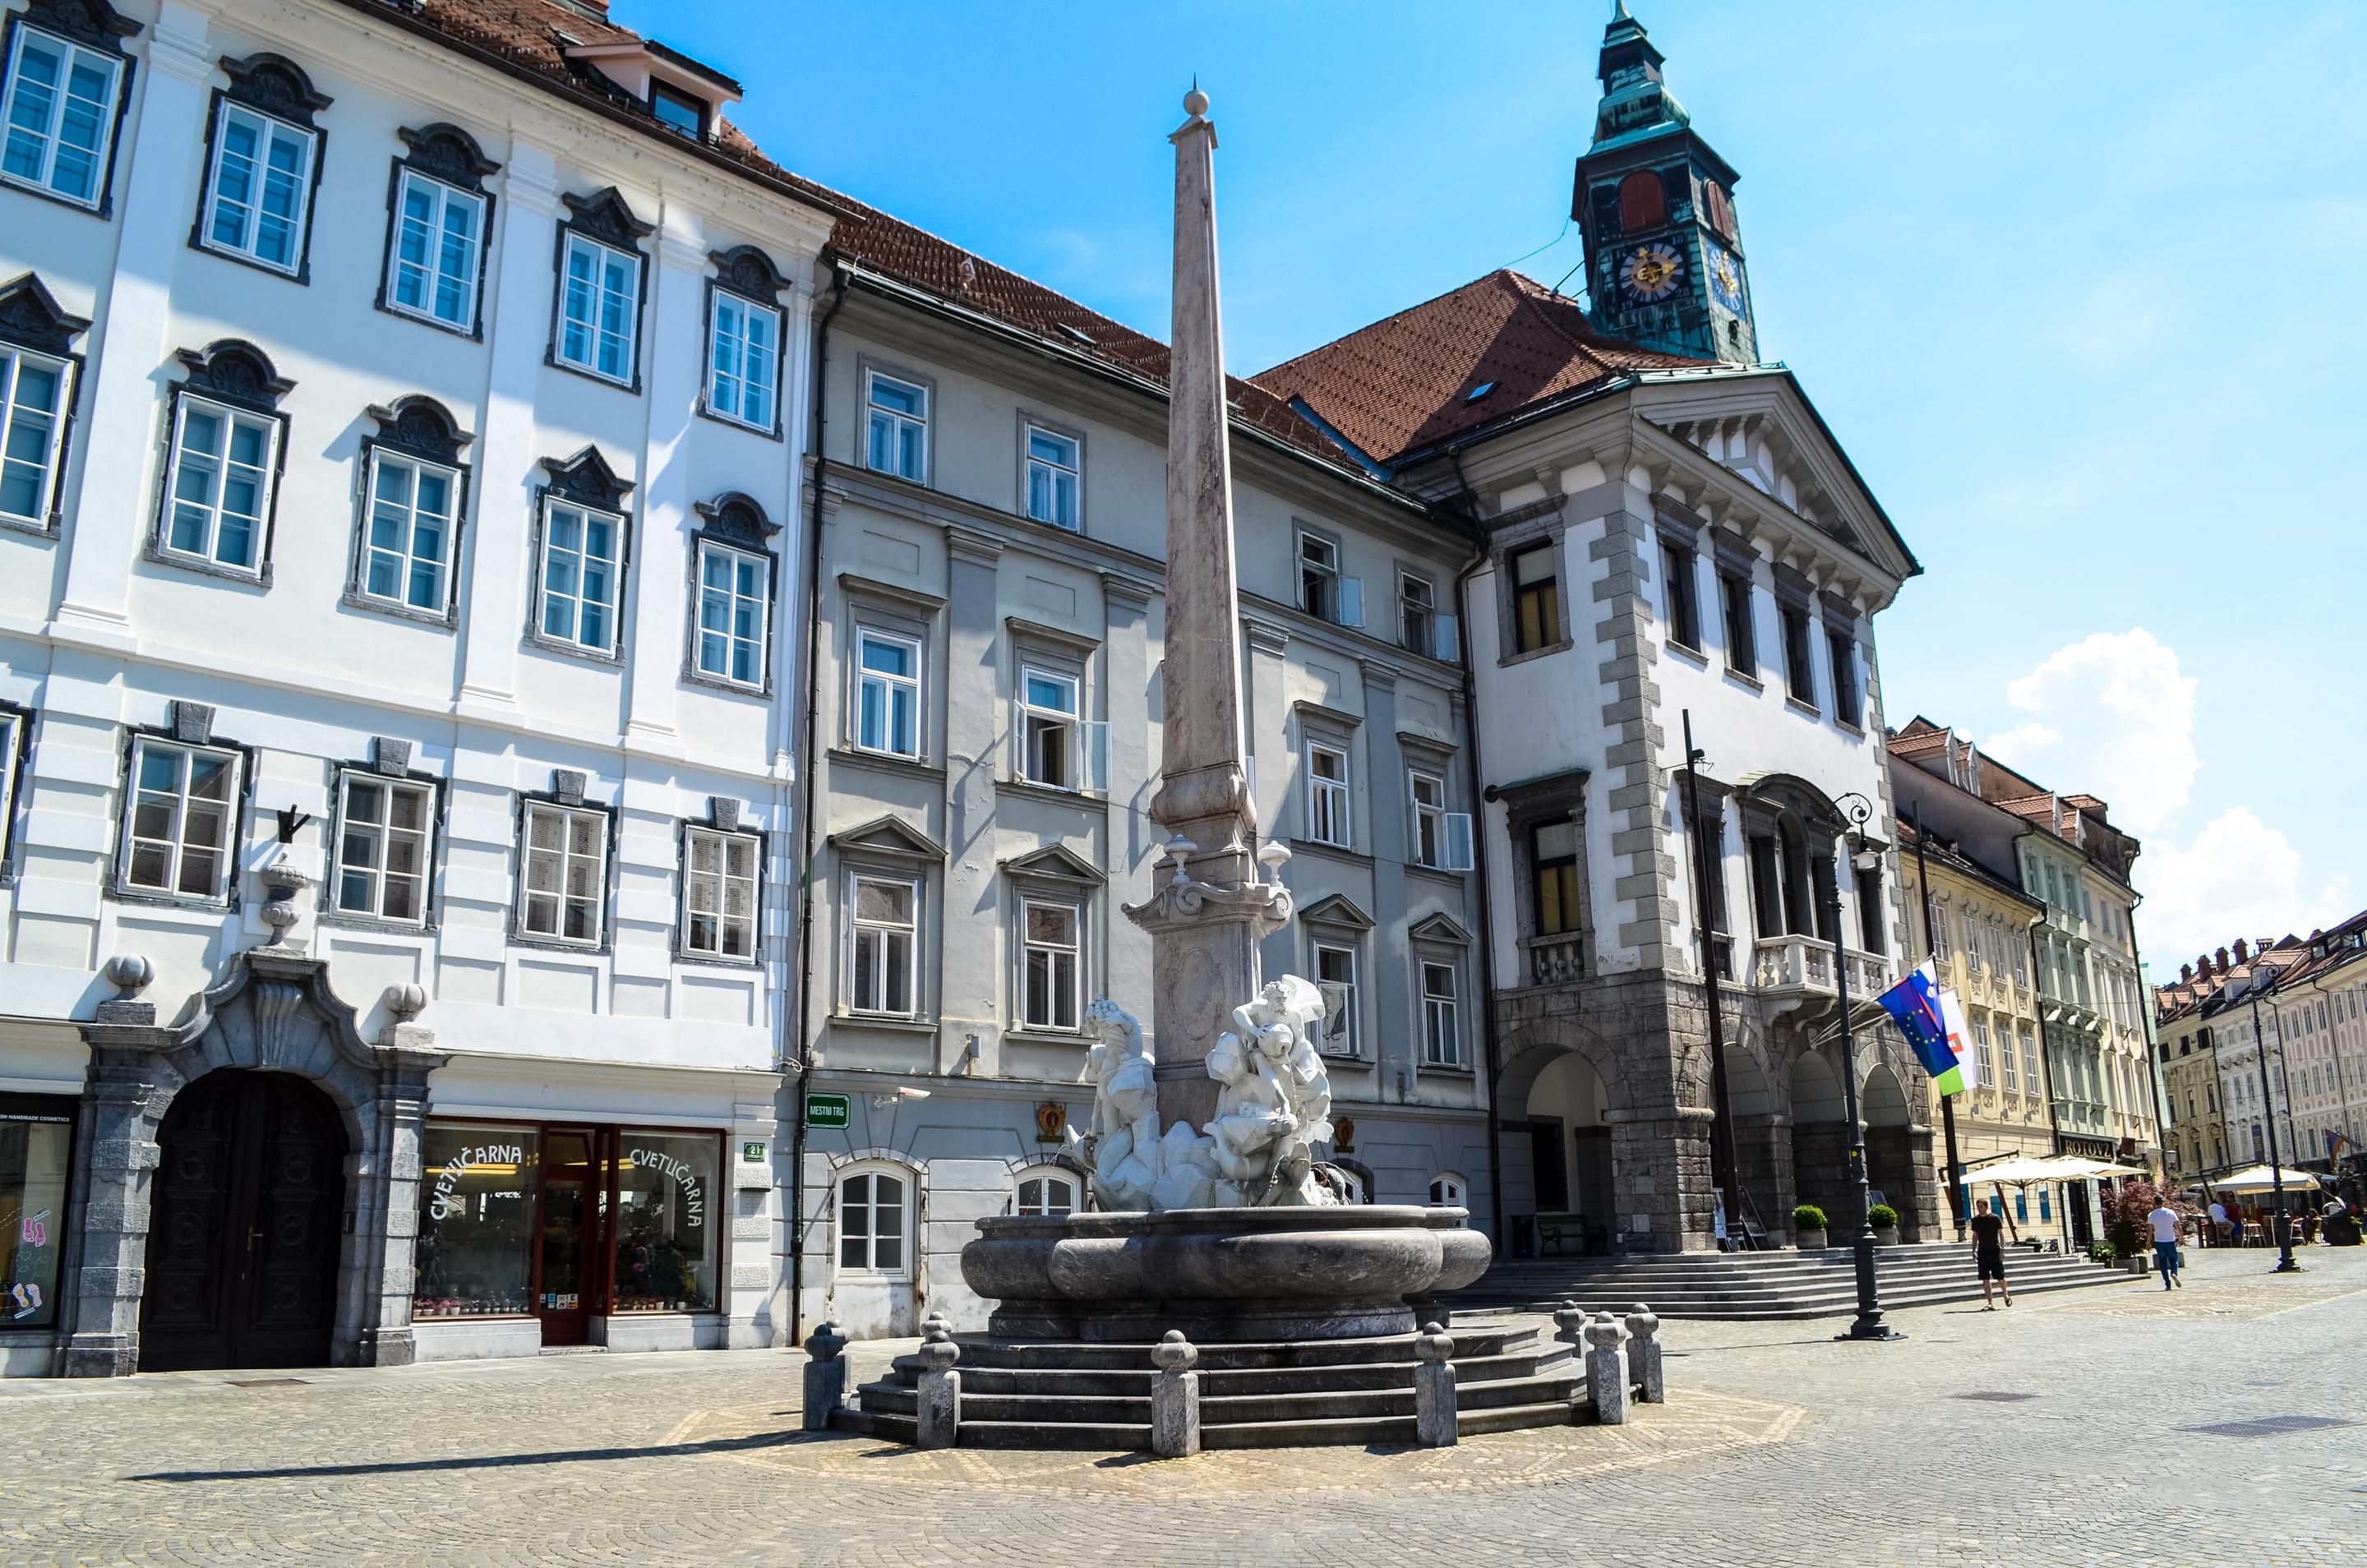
678 111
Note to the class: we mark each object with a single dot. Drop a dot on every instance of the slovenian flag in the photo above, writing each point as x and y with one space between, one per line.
1934 1024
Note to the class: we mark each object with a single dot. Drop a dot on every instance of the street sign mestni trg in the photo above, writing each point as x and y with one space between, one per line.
825 1111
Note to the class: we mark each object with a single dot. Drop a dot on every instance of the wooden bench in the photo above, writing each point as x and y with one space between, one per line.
1555 1229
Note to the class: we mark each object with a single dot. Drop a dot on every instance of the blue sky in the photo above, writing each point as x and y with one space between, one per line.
2081 289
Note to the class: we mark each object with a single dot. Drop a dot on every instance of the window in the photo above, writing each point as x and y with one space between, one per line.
33 403
719 894
666 1226
1536 600
1553 856
1983 1062
1049 730
439 235
1447 1192
261 188
1420 629
1429 816
1643 203
1050 966
580 575
1327 796
599 301
1741 632
1869 910
385 832
678 111
884 915
1054 464
180 822
409 548
61 116
1322 591
871 1223
734 602
1335 976
1849 707
743 361
566 862
224 462
899 427
1798 678
1441 1038
36 1157
2008 1079
887 694
1045 1195
1679 565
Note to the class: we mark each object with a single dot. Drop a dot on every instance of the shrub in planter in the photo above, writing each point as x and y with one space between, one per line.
2100 1252
1807 1217
1883 1217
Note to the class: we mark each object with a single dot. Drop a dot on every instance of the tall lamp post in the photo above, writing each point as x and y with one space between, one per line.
2285 1264
1868 1324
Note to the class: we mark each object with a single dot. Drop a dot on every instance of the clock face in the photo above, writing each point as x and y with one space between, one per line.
1724 276
1652 272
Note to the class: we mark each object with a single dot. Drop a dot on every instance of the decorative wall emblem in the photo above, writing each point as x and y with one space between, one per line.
1051 1122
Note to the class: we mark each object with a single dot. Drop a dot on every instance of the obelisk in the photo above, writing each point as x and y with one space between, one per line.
1210 908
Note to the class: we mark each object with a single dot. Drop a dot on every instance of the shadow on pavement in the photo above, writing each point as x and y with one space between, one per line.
501 1461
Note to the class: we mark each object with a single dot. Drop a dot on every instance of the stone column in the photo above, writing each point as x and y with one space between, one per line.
825 1377
940 1403
387 1190
1174 1397
1607 1369
1434 1425
128 1085
1211 909
1644 1356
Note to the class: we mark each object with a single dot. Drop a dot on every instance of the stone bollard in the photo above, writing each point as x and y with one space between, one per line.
1571 1320
1433 1389
825 1376
1644 1356
1174 1397
940 1387
1606 1370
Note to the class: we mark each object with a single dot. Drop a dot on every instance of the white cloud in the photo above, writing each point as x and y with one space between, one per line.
2240 877
2109 716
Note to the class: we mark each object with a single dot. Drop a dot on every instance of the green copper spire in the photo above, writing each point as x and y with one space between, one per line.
1635 98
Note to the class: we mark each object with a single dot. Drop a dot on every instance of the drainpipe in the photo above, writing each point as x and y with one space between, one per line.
1468 522
805 863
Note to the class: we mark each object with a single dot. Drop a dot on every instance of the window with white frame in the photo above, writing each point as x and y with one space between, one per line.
1327 796
433 256
873 1222
897 439
34 397
1335 976
719 894
580 576
385 842
180 820
261 188
565 863
1046 1194
1441 1031
883 927
2009 1075
1051 964
743 361
1417 614
1055 469
1323 592
61 115
887 694
1447 1191
1049 732
600 294
224 463
1429 791
408 553
734 604
1982 1060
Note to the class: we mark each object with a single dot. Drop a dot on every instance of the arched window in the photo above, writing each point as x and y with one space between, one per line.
1642 202
1046 1192
1447 1191
874 1221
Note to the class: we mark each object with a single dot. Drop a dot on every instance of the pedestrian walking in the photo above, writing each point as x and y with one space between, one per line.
1988 1254
2165 1244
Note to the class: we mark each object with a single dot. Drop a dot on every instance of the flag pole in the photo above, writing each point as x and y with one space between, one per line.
1947 1101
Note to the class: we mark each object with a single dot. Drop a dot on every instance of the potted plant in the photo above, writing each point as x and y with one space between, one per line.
1884 1220
1809 1228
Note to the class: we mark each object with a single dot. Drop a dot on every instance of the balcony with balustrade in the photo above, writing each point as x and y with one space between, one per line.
1797 970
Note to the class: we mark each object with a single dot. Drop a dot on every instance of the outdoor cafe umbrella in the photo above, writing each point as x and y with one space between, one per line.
2260 1179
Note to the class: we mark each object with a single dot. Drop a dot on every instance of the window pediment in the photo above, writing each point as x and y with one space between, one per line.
1338 911
607 217
91 22
737 519
31 315
890 837
745 269
237 372
443 151
422 427
276 86
586 477
1054 863
1439 928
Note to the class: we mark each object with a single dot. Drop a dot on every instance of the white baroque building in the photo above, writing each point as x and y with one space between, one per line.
398 615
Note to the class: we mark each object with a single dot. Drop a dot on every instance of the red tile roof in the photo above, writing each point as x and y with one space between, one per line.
525 37
1407 382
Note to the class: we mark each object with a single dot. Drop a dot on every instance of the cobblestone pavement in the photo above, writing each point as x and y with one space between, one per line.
2221 1425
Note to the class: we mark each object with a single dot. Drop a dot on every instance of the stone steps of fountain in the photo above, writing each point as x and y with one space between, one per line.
1766 1287
1273 1395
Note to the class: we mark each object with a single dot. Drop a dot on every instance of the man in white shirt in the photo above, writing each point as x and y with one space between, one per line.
2218 1224
2165 1222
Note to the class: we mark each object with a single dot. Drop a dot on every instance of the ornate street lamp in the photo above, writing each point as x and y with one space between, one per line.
2285 1264
1862 857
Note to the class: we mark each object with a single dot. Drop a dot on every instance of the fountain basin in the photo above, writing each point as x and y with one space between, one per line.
1220 1274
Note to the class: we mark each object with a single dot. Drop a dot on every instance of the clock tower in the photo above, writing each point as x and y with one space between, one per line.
1664 259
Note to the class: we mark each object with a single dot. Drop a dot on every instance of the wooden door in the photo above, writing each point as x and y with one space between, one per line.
245 1226
568 1212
